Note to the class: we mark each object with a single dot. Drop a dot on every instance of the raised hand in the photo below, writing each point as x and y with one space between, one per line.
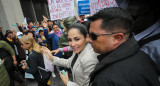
47 52
44 18
44 24
40 40
55 51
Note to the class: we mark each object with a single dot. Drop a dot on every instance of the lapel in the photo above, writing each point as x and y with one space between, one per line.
80 56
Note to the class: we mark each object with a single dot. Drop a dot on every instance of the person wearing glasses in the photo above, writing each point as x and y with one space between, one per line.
121 62
83 60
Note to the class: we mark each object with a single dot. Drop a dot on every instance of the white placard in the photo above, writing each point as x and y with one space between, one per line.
61 9
96 5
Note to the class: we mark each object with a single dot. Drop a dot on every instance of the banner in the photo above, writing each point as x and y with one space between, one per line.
61 9
83 7
96 5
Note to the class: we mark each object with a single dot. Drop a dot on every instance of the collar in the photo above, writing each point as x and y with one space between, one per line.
124 51
100 57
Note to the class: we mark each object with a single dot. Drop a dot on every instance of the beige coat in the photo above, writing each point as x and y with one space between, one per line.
83 66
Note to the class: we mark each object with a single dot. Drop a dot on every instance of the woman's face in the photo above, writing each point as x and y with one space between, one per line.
41 33
56 29
25 46
76 40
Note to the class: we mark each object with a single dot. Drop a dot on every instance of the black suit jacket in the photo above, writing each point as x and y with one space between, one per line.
125 66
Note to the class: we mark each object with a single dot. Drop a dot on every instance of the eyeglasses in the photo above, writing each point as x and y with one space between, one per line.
94 36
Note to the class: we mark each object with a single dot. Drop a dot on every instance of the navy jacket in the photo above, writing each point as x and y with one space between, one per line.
54 39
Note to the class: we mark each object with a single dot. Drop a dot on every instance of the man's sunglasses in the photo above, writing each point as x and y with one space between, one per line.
94 36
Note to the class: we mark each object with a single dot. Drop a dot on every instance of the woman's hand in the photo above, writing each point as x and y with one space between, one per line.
64 78
44 24
44 18
40 40
47 52
24 64
55 51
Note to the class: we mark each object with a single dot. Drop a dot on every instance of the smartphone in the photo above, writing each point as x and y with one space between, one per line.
20 65
63 72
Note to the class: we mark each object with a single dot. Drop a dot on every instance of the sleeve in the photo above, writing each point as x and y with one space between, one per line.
65 49
69 48
63 62
33 67
48 36
46 33
7 47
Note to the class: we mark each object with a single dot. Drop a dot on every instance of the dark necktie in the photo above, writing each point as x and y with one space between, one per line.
74 60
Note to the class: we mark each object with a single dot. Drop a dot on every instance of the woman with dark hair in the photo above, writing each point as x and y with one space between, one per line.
83 59
57 30
53 37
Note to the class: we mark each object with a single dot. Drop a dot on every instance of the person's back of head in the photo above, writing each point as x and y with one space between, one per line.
114 20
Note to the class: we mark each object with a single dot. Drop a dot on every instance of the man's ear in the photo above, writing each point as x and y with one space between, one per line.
87 38
118 37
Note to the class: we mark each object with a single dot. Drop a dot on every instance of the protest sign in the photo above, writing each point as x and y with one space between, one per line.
96 5
83 7
61 9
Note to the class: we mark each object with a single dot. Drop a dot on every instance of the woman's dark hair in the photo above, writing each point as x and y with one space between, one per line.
80 27
87 24
40 31
55 24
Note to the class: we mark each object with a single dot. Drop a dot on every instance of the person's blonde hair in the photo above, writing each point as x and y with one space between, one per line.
33 44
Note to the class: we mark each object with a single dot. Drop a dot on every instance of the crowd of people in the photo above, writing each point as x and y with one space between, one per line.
117 46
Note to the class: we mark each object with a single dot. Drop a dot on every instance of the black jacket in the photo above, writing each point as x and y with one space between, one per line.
34 60
125 66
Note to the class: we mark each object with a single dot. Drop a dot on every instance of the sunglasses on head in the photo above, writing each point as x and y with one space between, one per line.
94 36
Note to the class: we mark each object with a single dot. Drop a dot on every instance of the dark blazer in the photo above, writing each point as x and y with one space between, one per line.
34 61
125 66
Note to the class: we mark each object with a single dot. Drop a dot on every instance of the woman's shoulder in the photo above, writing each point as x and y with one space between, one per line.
90 54
34 53
88 49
